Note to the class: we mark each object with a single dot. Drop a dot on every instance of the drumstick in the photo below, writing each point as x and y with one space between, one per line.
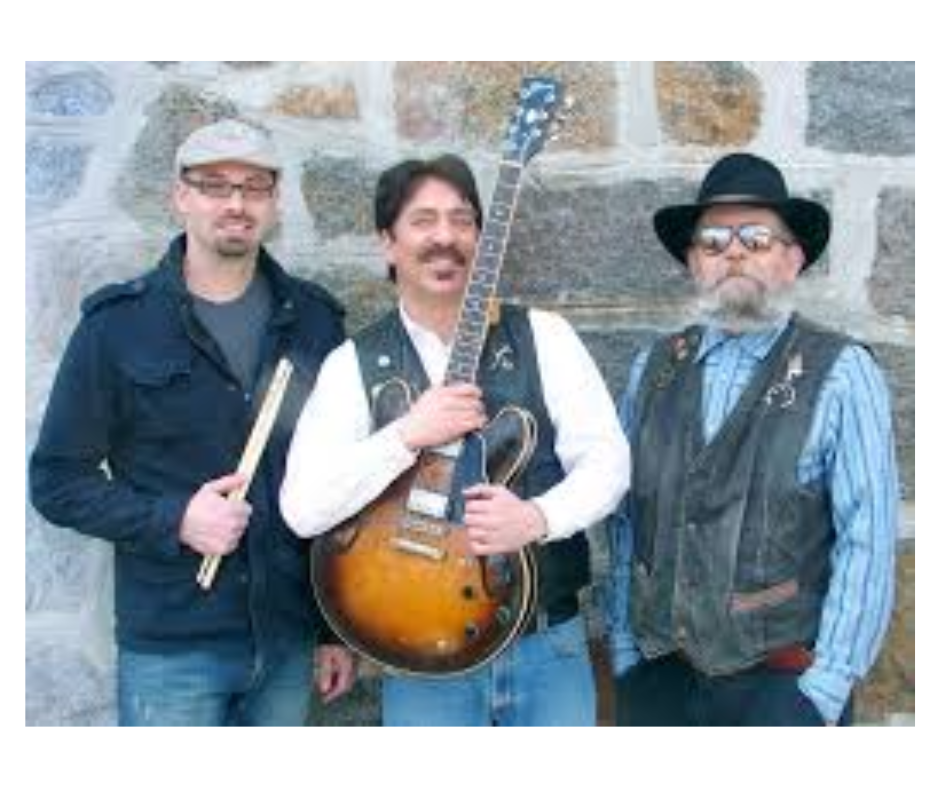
252 454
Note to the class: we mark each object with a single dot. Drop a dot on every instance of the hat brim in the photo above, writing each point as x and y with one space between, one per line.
809 222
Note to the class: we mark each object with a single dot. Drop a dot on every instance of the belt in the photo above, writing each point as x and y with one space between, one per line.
551 615
794 658
791 659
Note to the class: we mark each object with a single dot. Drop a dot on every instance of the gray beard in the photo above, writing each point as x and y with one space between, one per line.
749 313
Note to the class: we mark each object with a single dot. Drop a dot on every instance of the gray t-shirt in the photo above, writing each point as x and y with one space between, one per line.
238 327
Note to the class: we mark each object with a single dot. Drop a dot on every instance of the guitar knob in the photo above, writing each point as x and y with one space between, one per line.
503 615
467 592
472 631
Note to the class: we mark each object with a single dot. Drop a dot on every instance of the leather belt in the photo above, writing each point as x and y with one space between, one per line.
794 658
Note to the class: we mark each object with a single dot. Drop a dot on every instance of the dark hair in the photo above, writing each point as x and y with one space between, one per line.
398 184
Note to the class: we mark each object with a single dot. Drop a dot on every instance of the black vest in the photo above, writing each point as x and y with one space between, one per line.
508 375
731 552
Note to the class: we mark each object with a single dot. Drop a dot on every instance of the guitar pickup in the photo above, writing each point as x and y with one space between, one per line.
419 548
427 503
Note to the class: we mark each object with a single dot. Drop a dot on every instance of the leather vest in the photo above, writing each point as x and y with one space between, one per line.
731 551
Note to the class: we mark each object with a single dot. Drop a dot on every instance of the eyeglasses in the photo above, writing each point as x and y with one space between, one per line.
715 239
220 189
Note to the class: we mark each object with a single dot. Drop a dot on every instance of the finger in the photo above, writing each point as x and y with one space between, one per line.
479 492
225 484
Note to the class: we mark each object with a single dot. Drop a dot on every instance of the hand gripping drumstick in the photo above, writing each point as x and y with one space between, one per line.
252 454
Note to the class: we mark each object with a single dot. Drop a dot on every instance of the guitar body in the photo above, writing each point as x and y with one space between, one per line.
399 583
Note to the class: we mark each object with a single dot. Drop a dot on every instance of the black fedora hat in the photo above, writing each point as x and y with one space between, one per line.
745 179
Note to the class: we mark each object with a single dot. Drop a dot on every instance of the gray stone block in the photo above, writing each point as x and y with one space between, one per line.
82 93
54 173
891 286
594 243
66 572
63 686
338 195
897 362
862 107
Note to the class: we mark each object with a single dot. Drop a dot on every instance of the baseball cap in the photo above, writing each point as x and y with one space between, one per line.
228 140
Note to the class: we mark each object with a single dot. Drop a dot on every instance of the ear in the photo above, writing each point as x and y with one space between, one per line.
796 258
694 262
178 200
387 240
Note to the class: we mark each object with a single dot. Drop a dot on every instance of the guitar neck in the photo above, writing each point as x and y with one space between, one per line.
484 277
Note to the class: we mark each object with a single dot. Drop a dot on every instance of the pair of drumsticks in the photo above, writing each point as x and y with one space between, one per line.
254 448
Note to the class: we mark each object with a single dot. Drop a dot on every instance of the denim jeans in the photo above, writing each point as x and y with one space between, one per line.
545 678
234 687
669 691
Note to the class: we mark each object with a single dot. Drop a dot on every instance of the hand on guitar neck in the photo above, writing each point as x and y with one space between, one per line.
498 521
441 415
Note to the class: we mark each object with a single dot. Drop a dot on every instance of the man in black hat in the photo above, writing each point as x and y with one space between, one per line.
753 559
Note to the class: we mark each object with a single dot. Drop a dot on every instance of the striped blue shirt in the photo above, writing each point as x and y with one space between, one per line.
850 448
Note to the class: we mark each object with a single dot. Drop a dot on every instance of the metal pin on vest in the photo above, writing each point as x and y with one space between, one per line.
783 393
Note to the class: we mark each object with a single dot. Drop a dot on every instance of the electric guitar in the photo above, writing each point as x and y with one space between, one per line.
398 582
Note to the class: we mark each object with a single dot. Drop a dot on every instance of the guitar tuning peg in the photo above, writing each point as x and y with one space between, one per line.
570 102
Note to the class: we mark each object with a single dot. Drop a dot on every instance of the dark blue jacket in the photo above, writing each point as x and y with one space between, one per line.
144 411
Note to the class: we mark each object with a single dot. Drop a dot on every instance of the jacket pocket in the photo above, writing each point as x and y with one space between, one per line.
161 397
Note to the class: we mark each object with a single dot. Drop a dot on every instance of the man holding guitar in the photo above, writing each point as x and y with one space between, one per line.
443 382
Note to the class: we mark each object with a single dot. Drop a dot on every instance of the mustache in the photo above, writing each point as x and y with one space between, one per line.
440 250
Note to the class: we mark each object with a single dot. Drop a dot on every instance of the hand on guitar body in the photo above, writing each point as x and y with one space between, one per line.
498 521
442 414
213 524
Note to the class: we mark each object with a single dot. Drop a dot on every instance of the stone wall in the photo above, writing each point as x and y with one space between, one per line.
100 142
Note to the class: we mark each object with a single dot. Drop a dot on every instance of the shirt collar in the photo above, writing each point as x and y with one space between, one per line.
756 344
421 337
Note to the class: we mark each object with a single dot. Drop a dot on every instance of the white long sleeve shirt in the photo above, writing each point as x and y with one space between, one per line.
337 466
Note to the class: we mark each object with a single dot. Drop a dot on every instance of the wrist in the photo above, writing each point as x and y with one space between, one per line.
403 430
539 523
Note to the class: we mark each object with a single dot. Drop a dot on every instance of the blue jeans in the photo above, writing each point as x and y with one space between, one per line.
237 687
545 678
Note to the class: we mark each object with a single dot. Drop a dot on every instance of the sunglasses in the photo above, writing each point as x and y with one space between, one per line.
713 239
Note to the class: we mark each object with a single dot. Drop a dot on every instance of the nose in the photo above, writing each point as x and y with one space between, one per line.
443 232
236 199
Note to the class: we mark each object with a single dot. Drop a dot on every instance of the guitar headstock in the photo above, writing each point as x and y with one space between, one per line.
537 117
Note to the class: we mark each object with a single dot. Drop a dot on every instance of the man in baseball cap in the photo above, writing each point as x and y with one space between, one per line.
187 350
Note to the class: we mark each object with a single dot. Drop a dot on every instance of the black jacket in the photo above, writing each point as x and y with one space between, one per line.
145 410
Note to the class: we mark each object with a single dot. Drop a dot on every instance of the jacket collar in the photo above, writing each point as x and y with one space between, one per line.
170 275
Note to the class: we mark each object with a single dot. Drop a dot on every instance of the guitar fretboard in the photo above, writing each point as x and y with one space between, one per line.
484 277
